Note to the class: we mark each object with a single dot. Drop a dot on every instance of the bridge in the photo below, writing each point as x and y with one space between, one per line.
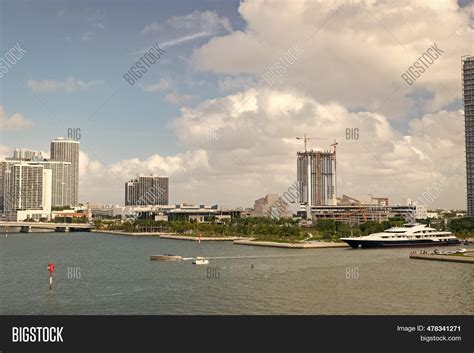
26 227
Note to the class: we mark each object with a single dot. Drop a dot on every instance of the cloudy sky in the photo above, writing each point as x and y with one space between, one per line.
210 114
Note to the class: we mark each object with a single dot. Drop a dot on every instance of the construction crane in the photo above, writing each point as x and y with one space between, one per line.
334 145
306 138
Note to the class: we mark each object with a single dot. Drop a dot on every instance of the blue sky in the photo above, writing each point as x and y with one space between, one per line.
99 41
210 82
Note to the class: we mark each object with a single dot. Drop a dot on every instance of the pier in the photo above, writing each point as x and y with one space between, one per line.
447 258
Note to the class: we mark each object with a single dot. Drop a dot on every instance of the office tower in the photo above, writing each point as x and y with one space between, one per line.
468 99
147 190
68 151
316 177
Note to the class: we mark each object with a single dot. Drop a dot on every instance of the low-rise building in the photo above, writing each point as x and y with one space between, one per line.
356 214
268 205
186 212
433 215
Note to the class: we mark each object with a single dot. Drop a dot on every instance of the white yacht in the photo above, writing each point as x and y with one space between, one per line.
411 234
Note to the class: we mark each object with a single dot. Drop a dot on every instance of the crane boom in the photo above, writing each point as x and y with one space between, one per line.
306 138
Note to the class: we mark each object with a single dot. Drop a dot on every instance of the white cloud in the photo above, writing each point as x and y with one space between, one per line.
179 99
108 180
198 21
160 86
233 83
181 29
178 41
152 28
354 52
70 84
14 122
254 152
87 36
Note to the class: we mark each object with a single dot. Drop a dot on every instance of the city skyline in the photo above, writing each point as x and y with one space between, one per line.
237 158
31 186
208 117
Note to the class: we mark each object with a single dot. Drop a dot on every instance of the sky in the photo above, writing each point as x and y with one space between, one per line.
220 110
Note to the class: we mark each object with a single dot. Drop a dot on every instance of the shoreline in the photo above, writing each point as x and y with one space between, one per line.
164 235
193 238
235 240
119 232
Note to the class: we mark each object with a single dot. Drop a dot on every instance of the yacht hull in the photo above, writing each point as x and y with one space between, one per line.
367 244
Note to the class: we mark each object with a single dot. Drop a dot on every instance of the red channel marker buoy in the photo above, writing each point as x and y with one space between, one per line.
51 270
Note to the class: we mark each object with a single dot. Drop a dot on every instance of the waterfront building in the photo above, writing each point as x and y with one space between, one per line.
68 151
356 214
147 190
25 191
316 178
184 212
468 100
201 213
61 178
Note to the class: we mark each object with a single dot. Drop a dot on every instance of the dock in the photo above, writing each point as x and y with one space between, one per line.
306 245
447 258
194 238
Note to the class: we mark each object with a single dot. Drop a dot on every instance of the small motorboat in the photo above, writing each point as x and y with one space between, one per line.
200 261
461 251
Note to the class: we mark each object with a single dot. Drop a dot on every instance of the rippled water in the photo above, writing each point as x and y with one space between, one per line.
117 277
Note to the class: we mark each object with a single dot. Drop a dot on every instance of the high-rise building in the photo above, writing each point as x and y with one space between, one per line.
5 184
468 99
147 190
25 190
61 181
316 178
23 186
47 190
60 175
68 151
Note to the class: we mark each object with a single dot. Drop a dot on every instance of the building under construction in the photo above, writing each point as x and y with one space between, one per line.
468 99
316 176
317 193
